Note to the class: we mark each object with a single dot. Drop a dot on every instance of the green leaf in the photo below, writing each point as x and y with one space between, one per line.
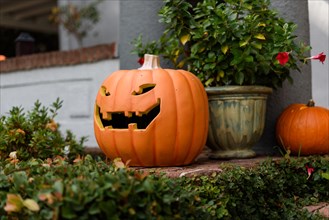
224 49
148 186
239 78
236 60
68 212
196 48
58 186
209 81
325 175
20 179
94 209
249 59
243 43
257 45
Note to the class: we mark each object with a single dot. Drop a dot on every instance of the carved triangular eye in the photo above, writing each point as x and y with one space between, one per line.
104 92
144 89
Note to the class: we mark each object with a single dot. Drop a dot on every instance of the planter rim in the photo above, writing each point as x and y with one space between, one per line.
238 90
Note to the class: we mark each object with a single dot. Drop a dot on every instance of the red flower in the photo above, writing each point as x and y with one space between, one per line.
310 170
141 60
321 57
283 57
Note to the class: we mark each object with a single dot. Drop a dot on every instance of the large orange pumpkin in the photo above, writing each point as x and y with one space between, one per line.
151 116
304 129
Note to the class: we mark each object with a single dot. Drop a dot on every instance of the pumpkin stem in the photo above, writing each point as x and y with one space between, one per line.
311 103
150 62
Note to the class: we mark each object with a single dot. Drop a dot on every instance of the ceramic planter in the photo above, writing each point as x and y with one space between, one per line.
237 120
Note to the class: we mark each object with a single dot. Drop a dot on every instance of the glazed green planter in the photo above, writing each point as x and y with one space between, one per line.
237 120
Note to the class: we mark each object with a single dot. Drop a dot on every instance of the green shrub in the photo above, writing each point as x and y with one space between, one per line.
275 189
35 134
92 189
42 182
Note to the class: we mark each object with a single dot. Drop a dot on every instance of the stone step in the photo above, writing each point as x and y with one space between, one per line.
322 208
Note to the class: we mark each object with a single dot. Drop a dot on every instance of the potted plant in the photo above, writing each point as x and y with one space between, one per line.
240 50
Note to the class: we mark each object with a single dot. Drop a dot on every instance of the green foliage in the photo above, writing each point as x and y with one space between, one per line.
92 189
141 49
275 189
35 134
228 42
210 193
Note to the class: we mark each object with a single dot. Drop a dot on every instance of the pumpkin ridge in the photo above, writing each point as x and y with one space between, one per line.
169 73
122 76
321 142
115 146
133 147
114 103
291 126
205 117
154 147
188 79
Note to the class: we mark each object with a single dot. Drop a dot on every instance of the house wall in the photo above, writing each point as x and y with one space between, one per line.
137 17
77 85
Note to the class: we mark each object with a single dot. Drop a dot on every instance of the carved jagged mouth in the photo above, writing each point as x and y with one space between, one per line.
123 120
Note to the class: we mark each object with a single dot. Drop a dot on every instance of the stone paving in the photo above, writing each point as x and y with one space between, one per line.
204 166
322 208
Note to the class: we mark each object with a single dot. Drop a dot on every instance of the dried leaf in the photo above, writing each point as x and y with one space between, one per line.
31 205
14 203
117 162
13 155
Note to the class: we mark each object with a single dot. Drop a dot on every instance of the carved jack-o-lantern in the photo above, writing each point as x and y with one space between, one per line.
151 116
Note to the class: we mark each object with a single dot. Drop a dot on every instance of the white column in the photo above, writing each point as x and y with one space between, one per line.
319 25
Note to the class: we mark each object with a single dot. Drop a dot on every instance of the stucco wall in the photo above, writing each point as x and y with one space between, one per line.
137 17
76 85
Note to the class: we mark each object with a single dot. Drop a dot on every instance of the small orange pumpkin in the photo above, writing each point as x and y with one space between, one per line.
151 116
304 129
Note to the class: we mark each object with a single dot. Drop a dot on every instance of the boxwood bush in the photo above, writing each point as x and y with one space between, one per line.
35 133
38 182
